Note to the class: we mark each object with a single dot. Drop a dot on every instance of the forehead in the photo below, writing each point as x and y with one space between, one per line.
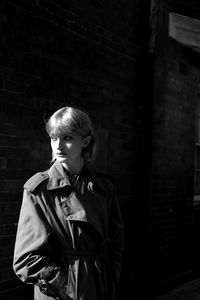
59 131
62 134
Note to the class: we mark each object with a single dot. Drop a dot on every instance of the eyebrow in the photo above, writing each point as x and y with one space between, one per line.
61 134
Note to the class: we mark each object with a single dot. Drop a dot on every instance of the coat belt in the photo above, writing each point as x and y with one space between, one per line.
99 257
99 251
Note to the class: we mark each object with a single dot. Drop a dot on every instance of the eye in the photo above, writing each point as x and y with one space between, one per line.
68 137
53 138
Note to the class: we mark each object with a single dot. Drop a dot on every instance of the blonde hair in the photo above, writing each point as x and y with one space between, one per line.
72 120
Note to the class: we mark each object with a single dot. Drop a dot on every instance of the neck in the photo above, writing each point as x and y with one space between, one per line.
74 168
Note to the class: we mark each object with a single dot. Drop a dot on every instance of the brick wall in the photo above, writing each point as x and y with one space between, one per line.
56 53
170 233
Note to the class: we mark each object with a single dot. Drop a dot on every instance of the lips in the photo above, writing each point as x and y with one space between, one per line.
60 154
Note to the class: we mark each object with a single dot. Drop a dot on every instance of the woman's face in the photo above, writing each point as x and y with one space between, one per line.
67 148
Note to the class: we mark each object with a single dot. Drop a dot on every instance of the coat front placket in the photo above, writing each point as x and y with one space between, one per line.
79 213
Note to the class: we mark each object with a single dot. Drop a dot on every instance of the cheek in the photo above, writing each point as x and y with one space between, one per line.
52 146
68 146
76 148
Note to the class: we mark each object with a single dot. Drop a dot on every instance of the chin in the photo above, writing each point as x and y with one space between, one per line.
61 159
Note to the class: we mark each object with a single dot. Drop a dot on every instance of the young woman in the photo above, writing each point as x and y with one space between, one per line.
69 240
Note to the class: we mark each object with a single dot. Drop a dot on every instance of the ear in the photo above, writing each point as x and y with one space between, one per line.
86 141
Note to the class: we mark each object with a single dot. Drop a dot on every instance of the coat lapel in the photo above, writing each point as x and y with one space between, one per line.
90 207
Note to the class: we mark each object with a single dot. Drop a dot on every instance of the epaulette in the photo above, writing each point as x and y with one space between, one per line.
33 182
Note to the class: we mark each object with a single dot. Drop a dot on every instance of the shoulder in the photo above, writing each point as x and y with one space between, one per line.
106 179
105 176
33 182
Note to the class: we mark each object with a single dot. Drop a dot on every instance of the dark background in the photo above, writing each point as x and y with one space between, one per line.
91 54
115 59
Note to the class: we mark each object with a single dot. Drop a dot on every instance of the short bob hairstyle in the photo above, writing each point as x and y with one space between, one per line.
71 120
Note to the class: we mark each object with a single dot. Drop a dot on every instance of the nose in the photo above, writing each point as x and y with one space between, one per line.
59 145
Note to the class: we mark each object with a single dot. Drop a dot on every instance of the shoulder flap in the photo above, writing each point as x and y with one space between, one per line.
35 180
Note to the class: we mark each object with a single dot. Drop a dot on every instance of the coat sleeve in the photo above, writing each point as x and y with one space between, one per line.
34 259
116 237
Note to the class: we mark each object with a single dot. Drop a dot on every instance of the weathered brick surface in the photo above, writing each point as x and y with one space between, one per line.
171 231
90 54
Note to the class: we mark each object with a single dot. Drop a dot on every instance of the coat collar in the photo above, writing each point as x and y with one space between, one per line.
58 177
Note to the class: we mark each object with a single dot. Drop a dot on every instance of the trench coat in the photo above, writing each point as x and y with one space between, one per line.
69 245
